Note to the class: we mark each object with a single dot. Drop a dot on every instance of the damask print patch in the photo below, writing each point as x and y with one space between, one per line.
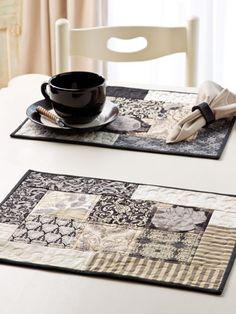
161 235
122 211
173 247
143 124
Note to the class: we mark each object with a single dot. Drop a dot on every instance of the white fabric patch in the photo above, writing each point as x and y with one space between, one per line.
186 198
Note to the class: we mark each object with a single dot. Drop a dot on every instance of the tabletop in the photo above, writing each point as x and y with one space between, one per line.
25 290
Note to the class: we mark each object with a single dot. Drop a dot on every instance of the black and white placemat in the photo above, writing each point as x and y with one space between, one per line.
144 120
129 231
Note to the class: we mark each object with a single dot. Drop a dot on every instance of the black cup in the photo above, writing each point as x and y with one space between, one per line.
77 97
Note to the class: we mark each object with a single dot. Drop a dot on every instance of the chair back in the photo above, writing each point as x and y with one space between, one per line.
94 43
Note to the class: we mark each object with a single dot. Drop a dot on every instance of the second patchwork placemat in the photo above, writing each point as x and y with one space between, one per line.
160 235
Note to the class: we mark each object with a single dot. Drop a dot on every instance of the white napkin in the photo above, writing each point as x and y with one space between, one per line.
222 103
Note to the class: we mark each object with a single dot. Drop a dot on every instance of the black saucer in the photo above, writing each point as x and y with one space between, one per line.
108 114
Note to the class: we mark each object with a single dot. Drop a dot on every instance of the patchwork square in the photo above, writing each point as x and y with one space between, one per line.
46 230
168 246
15 212
179 218
66 204
122 211
106 238
159 235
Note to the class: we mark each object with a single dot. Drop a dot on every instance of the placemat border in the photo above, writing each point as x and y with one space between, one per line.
74 142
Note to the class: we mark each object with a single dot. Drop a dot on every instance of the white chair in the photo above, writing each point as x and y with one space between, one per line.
93 43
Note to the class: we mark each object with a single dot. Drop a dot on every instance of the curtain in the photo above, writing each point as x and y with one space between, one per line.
37 39
216 51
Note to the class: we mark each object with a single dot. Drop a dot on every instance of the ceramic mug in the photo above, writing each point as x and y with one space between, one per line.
77 97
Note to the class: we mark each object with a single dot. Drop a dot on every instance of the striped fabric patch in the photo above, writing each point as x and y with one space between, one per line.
215 248
163 272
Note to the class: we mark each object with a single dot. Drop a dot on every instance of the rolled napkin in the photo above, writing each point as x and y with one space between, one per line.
213 103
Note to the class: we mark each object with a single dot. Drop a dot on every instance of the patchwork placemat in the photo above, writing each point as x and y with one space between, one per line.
153 234
145 118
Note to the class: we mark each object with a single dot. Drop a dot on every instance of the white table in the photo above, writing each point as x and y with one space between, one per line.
27 291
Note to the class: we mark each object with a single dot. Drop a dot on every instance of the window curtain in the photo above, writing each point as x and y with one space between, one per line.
216 50
37 50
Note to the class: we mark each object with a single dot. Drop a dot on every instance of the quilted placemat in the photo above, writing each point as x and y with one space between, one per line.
153 234
145 118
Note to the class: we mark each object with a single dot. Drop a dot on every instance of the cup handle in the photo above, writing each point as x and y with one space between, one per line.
44 90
